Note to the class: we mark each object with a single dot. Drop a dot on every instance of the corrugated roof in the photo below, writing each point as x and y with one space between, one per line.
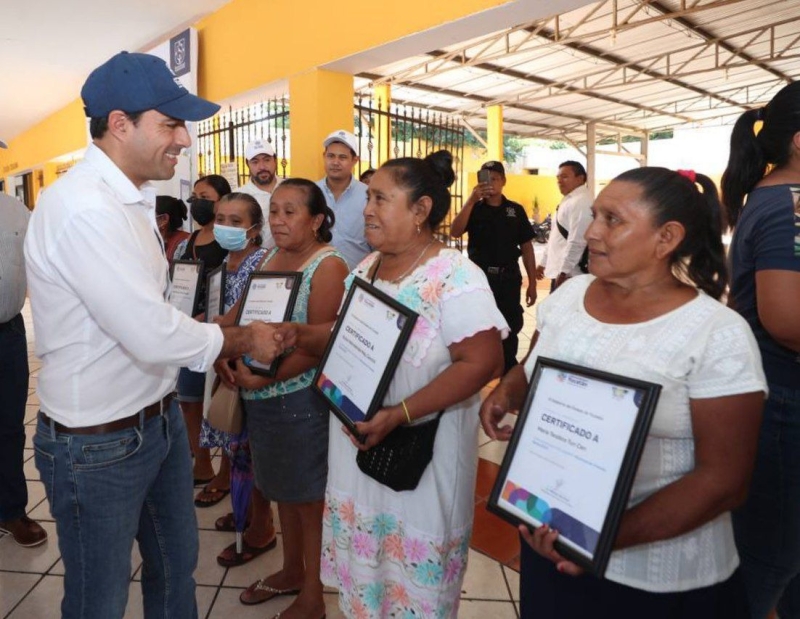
627 65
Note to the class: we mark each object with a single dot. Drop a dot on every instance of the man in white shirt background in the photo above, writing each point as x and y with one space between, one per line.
14 376
345 195
563 255
261 162
112 454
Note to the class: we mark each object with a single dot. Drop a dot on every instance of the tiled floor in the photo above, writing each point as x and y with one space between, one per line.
31 580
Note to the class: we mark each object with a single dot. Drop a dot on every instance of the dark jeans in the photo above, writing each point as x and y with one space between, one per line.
767 526
13 394
545 593
506 290
107 490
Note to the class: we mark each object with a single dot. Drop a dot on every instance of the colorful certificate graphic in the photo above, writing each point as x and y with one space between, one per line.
573 455
363 352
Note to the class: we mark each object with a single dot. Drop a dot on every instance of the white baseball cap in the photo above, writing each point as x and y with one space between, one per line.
345 137
258 147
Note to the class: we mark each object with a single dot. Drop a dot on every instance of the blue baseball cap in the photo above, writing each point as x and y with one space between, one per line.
136 83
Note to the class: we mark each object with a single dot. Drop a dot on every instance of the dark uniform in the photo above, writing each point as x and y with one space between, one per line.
496 234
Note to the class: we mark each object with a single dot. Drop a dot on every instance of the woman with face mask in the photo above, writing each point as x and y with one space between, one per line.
202 245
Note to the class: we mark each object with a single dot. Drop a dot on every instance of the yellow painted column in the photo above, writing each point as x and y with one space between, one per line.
382 100
320 102
494 132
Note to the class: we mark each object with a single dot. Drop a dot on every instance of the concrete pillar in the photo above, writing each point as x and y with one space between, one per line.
320 102
494 133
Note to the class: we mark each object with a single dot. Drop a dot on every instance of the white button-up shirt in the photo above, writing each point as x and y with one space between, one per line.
109 342
575 214
263 198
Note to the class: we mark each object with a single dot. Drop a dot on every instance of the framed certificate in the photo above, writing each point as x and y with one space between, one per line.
215 293
185 292
573 455
268 296
367 342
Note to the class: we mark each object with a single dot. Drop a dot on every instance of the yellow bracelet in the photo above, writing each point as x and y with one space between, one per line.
405 409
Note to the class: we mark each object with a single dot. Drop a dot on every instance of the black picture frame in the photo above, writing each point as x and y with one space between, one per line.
325 388
292 281
645 397
195 270
218 309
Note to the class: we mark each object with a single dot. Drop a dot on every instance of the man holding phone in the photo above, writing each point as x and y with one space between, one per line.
499 233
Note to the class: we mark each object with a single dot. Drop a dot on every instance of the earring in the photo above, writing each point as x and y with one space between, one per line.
418 229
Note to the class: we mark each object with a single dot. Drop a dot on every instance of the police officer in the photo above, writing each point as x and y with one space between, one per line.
499 232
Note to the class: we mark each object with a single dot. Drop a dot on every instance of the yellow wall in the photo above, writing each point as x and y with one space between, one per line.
60 133
523 188
321 103
249 43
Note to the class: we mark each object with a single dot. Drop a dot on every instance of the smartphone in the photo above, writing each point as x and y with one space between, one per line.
483 176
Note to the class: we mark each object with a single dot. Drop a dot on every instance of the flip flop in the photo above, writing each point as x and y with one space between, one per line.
270 592
248 553
227 524
216 494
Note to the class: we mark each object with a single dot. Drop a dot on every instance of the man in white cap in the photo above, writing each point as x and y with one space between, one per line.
112 453
261 162
14 376
346 196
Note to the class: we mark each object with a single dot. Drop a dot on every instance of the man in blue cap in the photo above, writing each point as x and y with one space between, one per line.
111 452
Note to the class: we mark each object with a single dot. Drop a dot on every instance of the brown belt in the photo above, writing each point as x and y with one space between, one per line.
150 411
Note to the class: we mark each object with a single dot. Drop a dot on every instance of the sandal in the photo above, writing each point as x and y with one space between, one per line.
262 592
248 553
227 523
209 497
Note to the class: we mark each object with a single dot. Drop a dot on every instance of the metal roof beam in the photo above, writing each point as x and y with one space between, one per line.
460 59
614 59
458 94
604 75
709 37
519 75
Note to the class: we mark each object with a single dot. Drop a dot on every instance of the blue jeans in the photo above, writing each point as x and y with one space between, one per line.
107 490
13 395
767 526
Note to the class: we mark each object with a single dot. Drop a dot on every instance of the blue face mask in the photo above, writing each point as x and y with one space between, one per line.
231 237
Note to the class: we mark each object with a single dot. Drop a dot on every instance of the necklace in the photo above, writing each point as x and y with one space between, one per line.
411 268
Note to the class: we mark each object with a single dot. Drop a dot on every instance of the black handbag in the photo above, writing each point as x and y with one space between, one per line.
401 458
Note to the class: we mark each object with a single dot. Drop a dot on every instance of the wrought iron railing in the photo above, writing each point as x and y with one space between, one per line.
412 132
222 139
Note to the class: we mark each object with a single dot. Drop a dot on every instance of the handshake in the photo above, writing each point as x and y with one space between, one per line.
269 341
258 340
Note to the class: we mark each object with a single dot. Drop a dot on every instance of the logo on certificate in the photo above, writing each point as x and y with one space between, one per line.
618 392
572 379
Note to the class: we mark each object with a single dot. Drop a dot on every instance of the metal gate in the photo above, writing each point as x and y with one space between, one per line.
222 139
407 131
